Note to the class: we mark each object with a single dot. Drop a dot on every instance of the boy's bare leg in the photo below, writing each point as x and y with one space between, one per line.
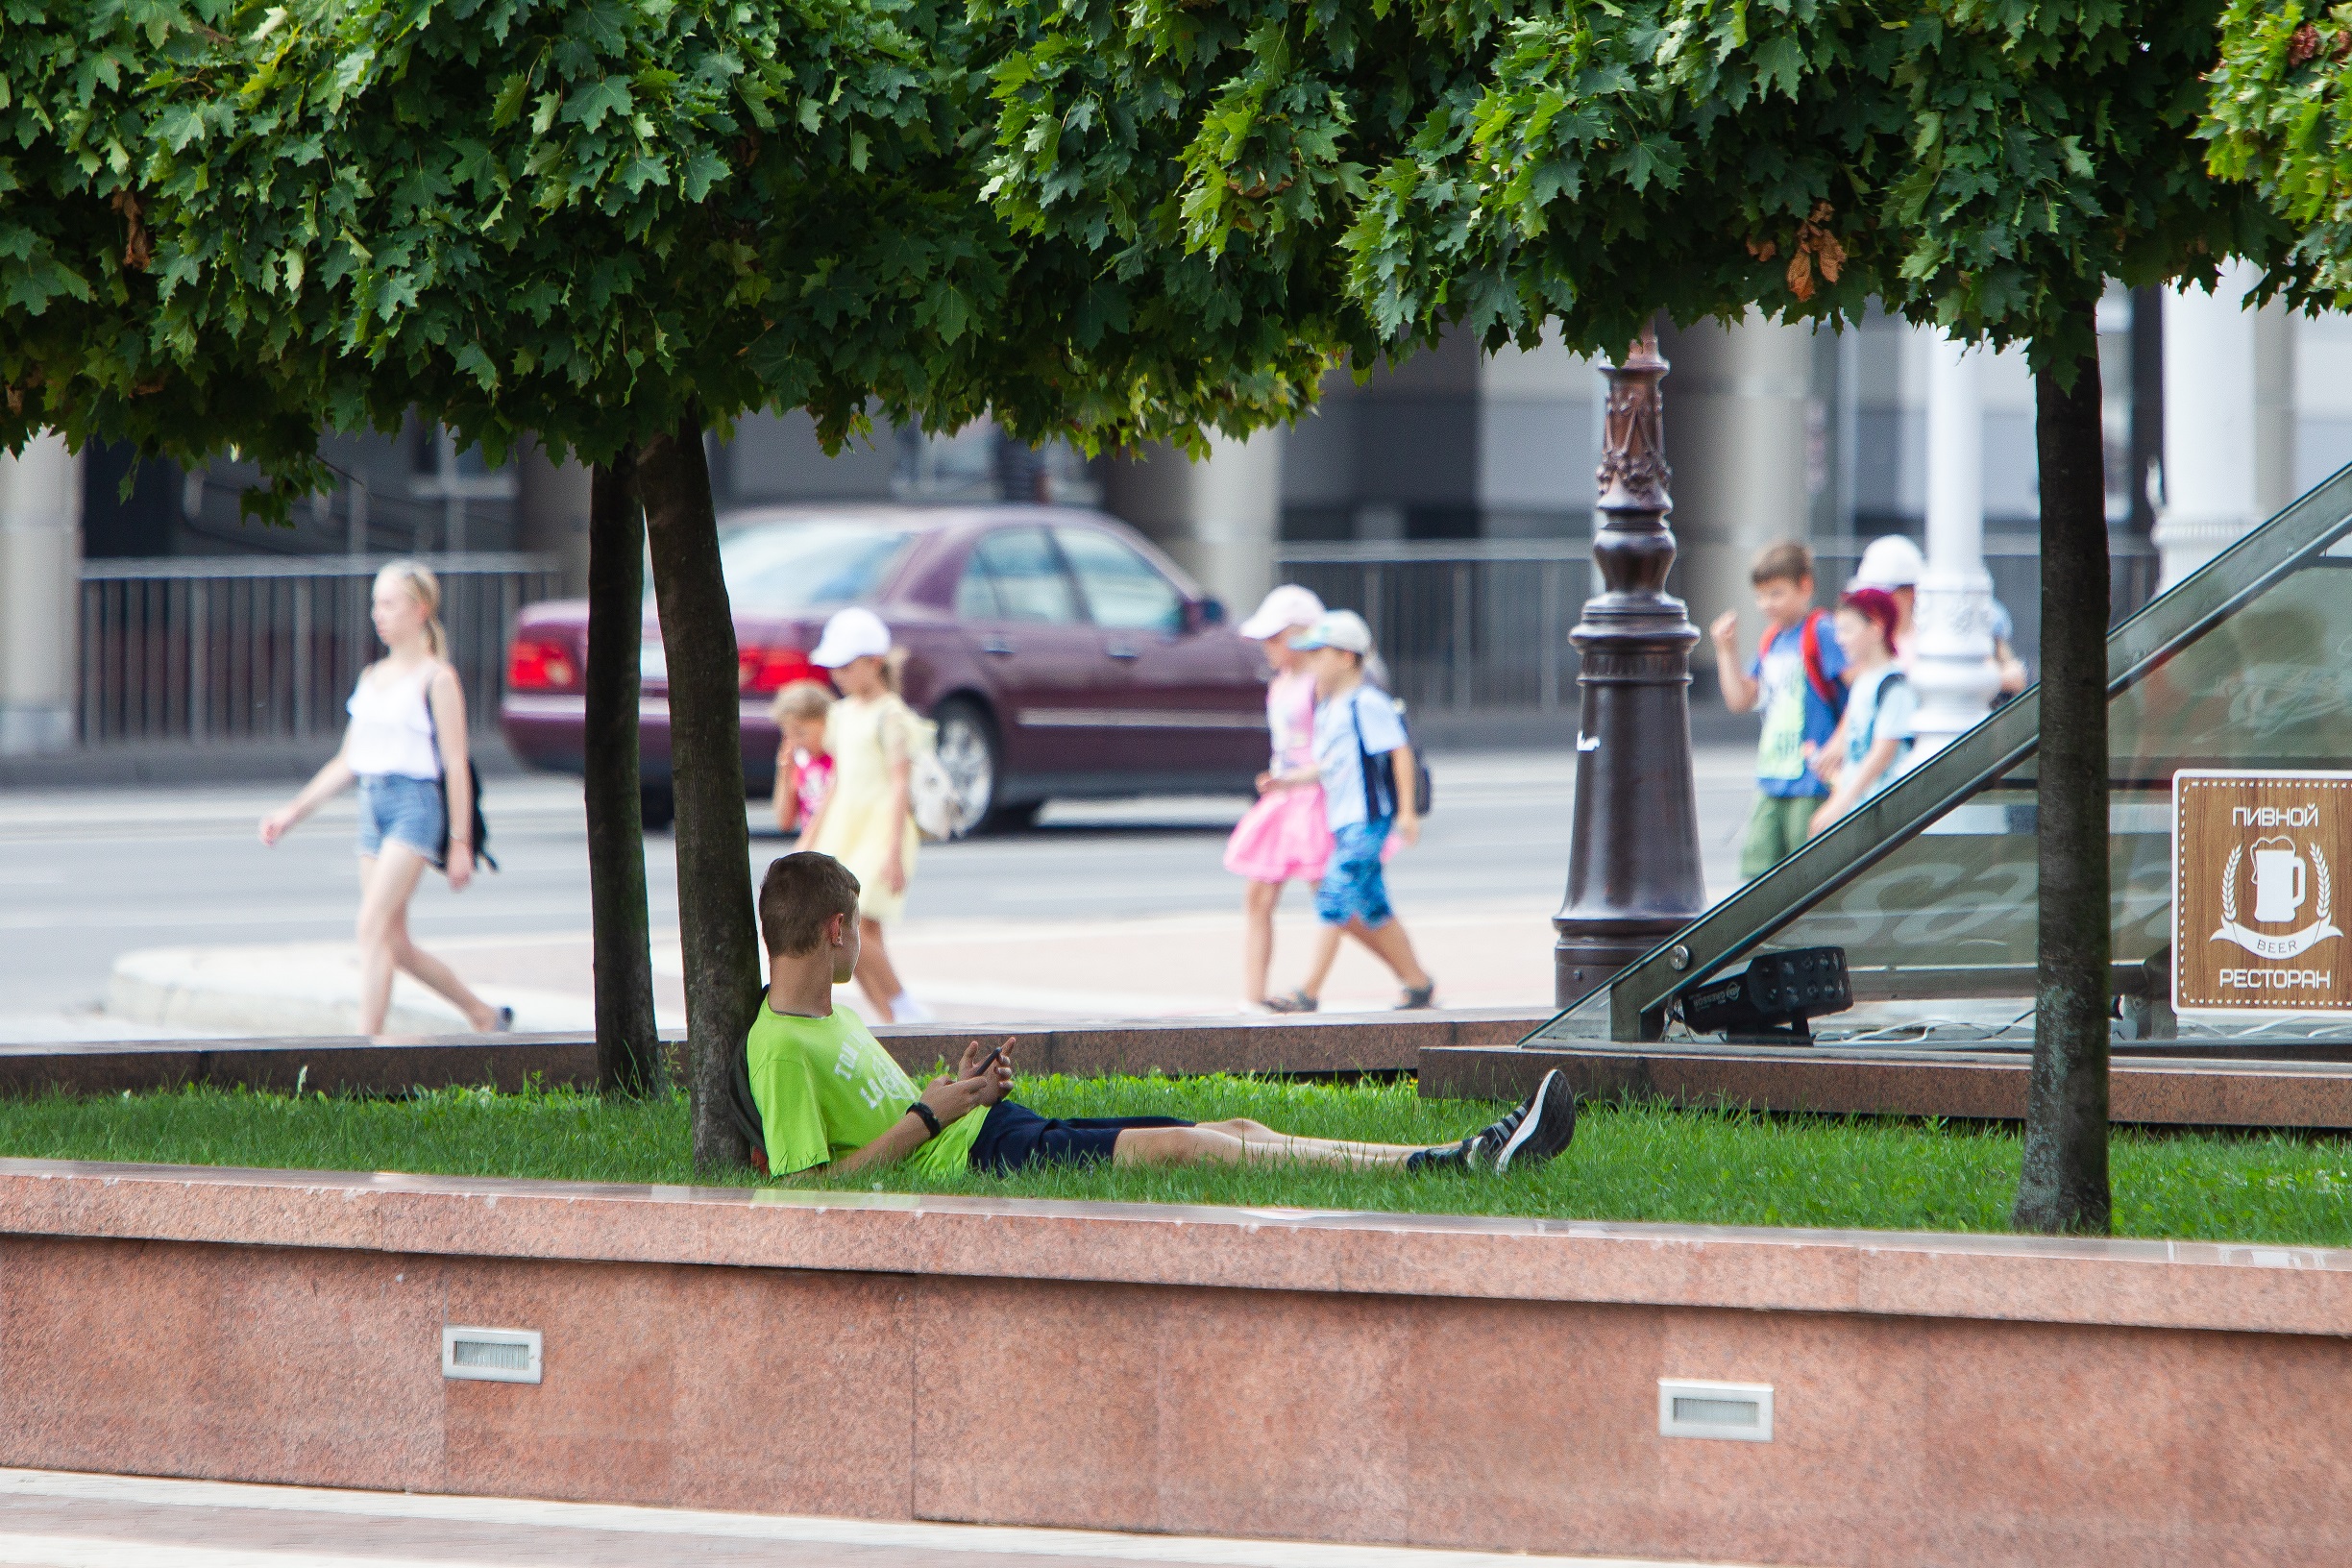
874 975
1258 902
1394 948
1327 953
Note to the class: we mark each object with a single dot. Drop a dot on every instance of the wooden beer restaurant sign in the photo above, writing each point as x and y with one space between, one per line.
2259 899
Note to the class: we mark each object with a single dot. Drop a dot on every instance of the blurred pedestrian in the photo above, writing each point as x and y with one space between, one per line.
1894 565
406 741
1878 726
1369 784
1284 837
804 767
867 820
1794 678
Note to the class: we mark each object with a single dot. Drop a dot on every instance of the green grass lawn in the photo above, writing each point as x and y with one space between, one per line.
1629 1163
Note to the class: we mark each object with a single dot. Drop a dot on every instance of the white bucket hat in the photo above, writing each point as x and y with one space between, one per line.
1286 607
851 635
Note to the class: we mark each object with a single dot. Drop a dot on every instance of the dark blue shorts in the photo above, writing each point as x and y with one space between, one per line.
1015 1137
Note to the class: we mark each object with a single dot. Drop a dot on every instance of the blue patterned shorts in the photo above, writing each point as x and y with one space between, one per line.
1352 888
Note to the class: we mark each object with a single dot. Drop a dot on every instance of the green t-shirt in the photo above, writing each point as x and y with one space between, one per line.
825 1087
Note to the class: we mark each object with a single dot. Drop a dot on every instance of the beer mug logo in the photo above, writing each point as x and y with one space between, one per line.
2279 881
2284 879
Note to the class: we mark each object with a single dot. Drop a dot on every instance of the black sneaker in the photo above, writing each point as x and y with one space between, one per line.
1539 1129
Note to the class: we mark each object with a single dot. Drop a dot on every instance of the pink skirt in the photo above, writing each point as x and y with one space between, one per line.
1282 839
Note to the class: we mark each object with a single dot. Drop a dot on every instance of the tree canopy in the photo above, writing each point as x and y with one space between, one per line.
574 218
2279 121
1982 164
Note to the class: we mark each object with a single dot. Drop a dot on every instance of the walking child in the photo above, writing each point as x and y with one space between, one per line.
1284 837
804 767
1794 678
1368 775
867 821
1878 726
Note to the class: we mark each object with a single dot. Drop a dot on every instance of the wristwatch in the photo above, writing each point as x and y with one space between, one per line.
930 1118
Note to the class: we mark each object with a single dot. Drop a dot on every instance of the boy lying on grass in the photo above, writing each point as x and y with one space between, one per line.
830 1097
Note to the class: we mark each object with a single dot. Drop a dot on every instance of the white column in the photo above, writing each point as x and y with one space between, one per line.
1953 667
1219 517
1735 434
40 561
2210 473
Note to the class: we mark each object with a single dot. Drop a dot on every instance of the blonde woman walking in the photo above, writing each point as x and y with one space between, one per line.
407 732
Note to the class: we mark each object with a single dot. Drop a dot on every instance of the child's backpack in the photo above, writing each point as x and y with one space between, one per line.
1380 780
1827 688
931 794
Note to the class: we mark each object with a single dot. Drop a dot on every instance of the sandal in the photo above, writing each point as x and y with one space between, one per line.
1417 997
1298 1001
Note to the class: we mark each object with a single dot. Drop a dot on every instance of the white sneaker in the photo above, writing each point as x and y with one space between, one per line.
905 1009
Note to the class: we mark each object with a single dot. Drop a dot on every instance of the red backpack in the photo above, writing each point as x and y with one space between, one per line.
1830 690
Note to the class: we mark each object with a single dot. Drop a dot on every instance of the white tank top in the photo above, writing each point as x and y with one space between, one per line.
391 729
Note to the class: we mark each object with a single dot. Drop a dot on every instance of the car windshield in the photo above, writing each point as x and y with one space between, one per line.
783 568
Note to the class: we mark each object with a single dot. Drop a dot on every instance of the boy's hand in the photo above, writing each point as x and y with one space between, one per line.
1408 829
951 1100
1725 631
977 1052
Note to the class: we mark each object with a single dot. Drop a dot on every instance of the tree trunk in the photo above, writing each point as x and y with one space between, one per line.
2064 1184
628 1049
714 840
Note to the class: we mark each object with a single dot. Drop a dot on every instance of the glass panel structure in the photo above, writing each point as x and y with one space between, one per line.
1930 887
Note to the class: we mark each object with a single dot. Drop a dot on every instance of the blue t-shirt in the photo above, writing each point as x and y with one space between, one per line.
1337 758
1795 715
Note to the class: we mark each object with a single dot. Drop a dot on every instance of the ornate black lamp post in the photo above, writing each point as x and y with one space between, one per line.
1634 874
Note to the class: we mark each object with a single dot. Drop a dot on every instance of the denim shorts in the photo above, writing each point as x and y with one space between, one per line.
403 809
1015 1137
1352 888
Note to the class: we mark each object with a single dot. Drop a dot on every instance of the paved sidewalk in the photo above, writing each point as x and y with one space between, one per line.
1115 909
58 1520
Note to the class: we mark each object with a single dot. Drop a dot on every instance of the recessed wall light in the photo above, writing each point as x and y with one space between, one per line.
490 1354
1741 1411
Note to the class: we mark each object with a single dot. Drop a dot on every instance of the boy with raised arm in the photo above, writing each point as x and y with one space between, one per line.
830 1097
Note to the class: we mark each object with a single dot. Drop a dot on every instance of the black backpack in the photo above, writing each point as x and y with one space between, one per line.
481 824
1380 780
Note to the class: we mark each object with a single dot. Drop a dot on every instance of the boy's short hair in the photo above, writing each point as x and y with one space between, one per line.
1787 561
801 699
801 892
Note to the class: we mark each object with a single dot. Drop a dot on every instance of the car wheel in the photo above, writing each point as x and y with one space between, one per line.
969 752
657 805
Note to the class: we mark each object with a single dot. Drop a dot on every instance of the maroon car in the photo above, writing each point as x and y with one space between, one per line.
1062 656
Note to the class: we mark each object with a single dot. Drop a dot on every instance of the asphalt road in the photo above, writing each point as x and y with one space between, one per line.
88 874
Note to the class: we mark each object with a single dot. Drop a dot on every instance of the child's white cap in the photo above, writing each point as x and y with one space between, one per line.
1343 630
1890 562
851 635
1286 607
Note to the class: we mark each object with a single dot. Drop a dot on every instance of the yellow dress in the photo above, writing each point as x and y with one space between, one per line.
866 736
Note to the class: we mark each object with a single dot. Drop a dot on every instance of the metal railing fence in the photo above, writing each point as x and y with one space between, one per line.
1470 626
1464 624
244 648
